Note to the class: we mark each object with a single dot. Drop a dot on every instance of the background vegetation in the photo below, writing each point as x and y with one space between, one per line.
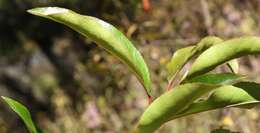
71 86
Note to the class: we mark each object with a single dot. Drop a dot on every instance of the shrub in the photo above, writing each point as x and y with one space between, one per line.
184 95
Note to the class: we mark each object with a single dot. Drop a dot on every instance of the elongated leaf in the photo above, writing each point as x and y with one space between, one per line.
224 52
182 56
242 95
102 33
23 112
179 59
220 78
207 42
169 104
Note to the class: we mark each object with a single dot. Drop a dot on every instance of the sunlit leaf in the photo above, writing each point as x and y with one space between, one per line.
169 104
242 95
219 78
182 56
103 34
179 59
224 52
22 112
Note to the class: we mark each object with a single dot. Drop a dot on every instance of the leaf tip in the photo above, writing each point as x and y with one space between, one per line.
7 99
4 98
45 11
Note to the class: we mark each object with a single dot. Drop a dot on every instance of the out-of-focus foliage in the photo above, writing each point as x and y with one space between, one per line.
222 131
46 72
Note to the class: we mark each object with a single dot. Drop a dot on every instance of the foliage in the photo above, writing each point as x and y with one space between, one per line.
185 98
23 112
111 39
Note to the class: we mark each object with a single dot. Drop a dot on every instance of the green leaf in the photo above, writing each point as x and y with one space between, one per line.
179 59
23 112
169 104
103 34
207 42
242 95
182 56
224 52
233 65
220 78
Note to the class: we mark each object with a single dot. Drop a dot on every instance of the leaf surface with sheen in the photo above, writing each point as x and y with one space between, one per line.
224 52
104 35
242 95
182 56
219 78
169 104
22 112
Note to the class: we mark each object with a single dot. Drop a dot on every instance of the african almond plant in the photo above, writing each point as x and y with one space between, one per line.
183 98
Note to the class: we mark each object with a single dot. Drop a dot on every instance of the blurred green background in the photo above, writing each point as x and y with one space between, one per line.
72 86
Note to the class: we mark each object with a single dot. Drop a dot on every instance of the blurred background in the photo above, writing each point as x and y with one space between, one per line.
72 86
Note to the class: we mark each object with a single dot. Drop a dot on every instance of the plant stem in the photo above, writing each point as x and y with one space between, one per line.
150 99
170 85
